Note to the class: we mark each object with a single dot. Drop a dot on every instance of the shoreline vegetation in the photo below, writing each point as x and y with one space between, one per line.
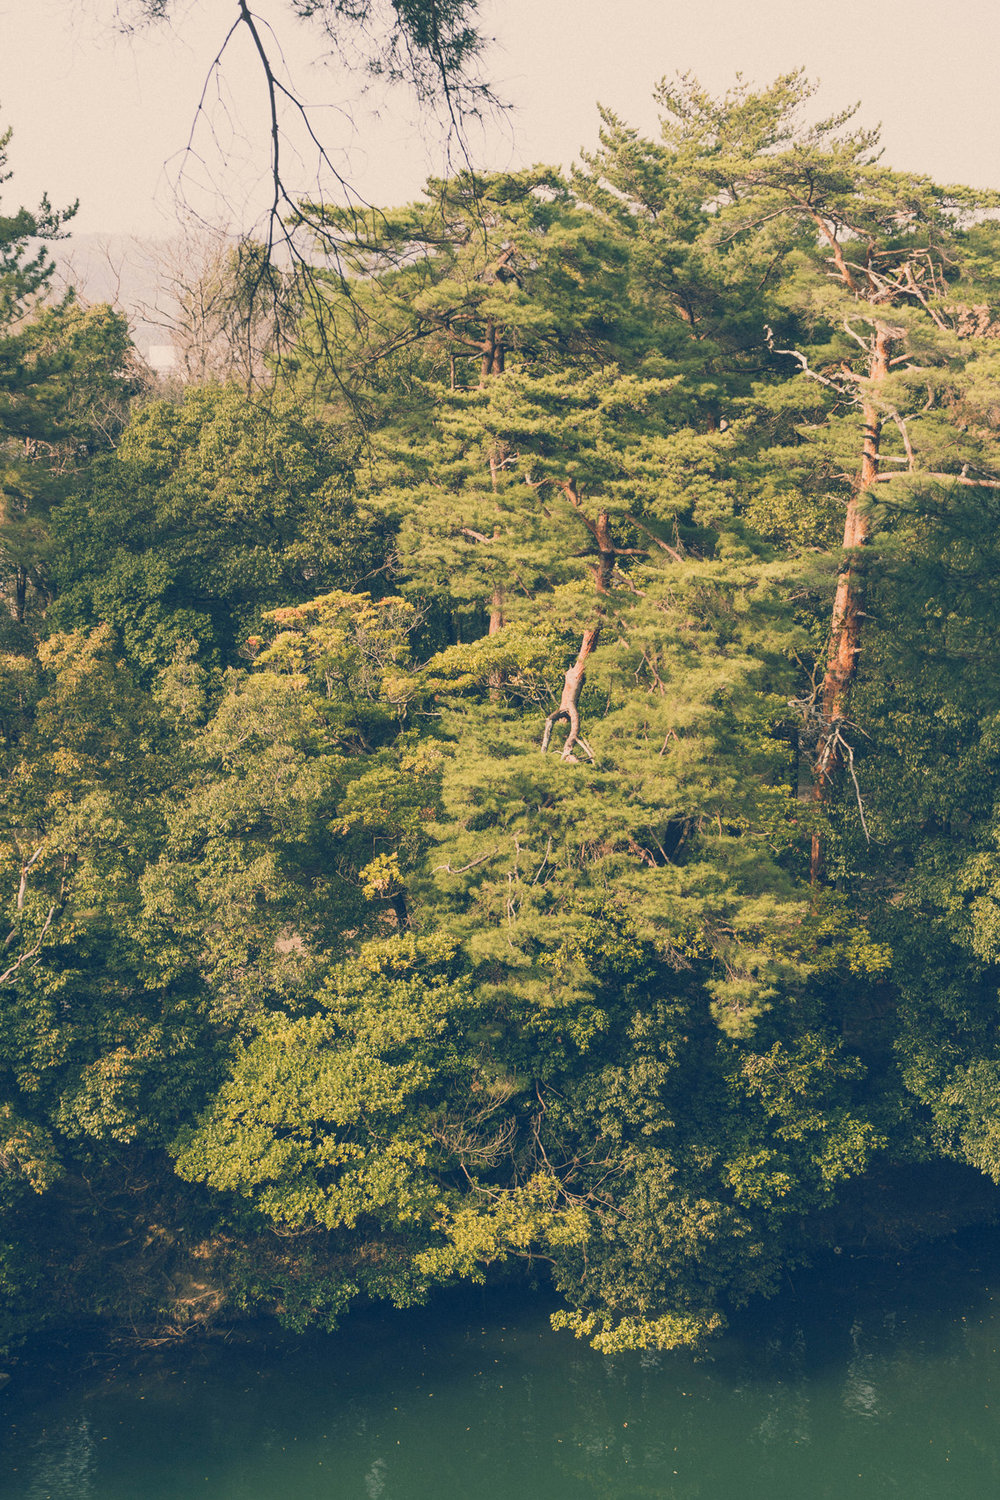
910 1215
498 773
62 1358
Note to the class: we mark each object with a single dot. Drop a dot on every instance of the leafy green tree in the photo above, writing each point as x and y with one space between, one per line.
105 1046
211 511
475 917
878 259
482 269
64 389
926 766
586 957
596 513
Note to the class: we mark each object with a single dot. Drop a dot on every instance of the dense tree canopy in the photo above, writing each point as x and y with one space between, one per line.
541 812
211 510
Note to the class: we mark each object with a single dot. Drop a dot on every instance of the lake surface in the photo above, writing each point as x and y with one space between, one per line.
863 1379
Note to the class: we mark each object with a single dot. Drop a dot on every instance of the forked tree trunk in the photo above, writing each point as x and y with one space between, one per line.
569 703
848 602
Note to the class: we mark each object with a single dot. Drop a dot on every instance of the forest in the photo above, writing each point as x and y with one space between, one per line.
500 781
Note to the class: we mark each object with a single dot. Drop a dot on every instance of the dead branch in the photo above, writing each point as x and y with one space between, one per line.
803 363
24 878
470 866
569 702
31 952
659 542
981 484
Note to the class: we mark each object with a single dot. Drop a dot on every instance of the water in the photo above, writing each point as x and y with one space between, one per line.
863 1380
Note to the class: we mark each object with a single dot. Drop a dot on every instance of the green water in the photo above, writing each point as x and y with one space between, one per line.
863 1380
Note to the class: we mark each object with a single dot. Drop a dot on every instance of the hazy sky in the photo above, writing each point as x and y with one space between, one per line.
105 118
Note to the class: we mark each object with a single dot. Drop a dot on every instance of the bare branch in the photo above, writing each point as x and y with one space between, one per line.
804 365
864 344
470 866
963 478
31 952
677 556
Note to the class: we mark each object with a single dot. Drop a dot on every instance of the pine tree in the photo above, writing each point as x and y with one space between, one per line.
65 385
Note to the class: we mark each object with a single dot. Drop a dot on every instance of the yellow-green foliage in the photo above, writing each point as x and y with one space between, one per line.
405 848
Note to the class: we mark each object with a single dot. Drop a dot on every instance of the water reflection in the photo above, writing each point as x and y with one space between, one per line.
876 1384
63 1463
375 1480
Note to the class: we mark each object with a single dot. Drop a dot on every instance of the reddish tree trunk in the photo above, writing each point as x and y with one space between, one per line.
496 610
496 679
848 602
493 354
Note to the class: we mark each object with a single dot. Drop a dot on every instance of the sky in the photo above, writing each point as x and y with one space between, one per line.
105 118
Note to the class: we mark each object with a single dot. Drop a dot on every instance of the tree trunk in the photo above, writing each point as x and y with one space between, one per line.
605 553
569 703
848 602
496 679
20 593
496 602
493 354
489 342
